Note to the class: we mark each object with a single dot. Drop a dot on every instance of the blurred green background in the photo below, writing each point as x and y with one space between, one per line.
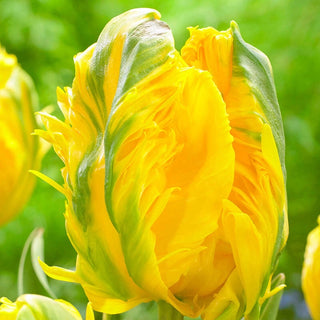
46 34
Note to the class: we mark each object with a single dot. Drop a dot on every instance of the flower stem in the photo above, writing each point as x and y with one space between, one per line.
167 312
111 317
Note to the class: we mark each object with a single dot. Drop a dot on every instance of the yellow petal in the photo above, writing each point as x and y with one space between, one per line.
244 77
311 271
19 150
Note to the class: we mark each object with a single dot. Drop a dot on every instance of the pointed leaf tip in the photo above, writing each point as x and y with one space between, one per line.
234 26
37 253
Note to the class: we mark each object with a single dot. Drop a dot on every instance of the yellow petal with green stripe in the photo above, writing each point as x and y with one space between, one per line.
19 150
171 171
255 213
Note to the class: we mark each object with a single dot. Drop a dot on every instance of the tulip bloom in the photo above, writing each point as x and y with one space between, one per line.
35 307
174 170
311 272
19 150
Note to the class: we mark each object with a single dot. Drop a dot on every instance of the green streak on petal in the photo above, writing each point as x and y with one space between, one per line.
112 144
128 224
254 66
109 273
147 44
95 254
91 115
147 47
81 192
124 25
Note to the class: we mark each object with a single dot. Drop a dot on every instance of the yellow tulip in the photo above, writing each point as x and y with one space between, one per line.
311 272
174 170
35 307
19 150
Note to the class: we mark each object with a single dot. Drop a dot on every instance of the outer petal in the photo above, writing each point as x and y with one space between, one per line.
244 76
123 55
255 67
259 155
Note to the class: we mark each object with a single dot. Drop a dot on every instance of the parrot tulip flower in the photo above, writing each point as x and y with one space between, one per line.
18 149
35 307
174 170
311 272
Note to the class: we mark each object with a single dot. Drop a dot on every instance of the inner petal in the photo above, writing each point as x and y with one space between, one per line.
202 173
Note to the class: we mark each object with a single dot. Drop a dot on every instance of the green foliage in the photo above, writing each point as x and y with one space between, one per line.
46 34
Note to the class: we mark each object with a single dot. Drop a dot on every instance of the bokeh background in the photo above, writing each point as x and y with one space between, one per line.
46 34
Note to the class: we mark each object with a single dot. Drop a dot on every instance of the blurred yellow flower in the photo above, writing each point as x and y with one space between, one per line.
18 149
311 272
35 307
174 170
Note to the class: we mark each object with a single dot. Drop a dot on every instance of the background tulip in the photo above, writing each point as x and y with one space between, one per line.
311 272
35 307
18 149
174 170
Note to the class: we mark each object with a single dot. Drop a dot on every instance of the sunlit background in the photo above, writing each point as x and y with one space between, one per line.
46 34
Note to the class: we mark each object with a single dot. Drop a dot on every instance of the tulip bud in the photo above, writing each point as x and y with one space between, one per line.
35 307
311 272
18 149
174 170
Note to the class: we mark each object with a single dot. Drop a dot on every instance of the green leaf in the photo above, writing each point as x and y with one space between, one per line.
37 252
35 240
23 261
